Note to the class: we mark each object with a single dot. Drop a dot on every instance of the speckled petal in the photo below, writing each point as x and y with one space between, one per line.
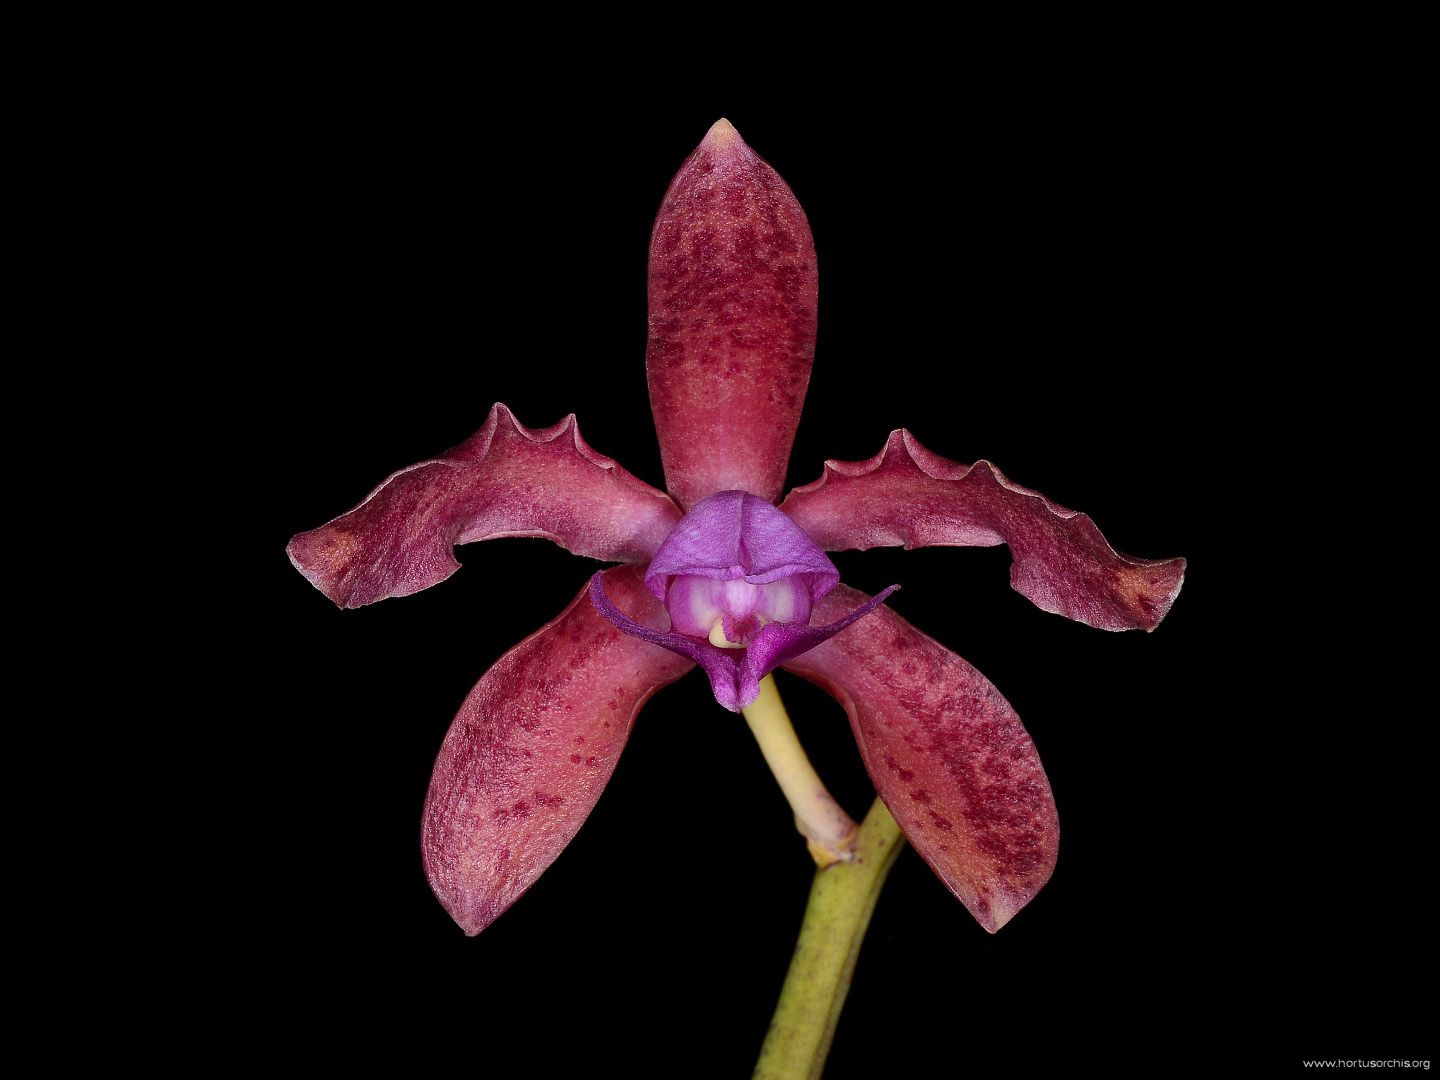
732 322
907 495
532 748
947 754
505 480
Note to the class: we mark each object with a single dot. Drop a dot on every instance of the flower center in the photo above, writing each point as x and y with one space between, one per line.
730 613
734 565
740 581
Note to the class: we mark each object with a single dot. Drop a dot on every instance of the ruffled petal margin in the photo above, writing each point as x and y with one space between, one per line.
533 747
505 480
732 322
947 754
905 495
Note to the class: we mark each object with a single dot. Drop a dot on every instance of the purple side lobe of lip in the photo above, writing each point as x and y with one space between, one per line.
734 674
533 747
947 754
732 535
732 322
505 480
907 495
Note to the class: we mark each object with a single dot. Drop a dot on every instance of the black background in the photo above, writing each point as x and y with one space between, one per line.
1071 287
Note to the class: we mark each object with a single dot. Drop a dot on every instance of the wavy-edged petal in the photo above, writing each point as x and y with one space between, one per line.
505 480
947 754
533 747
734 674
732 322
907 495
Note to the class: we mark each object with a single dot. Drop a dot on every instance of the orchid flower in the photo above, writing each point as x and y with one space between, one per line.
718 572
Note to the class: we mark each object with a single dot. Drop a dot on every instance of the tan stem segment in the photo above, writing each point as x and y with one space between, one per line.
821 820
842 900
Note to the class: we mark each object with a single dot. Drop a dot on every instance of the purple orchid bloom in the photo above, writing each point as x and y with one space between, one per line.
716 575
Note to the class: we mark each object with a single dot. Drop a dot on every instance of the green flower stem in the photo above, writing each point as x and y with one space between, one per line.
842 900
820 819
852 862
